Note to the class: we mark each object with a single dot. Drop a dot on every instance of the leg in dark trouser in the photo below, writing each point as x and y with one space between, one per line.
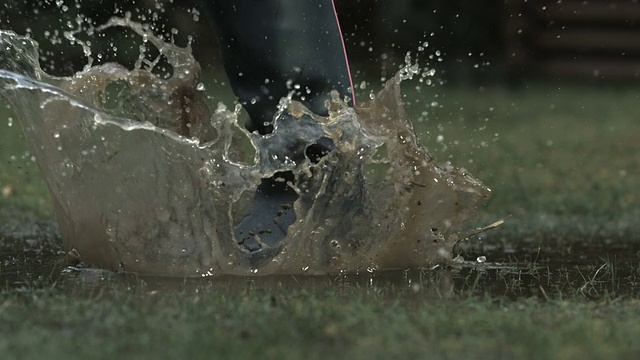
267 44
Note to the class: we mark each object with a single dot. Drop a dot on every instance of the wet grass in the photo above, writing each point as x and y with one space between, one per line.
416 315
562 159
21 186
319 324
561 280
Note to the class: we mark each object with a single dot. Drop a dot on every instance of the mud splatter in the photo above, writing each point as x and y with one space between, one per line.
145 176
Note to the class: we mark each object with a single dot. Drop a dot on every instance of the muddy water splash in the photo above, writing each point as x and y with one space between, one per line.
147 177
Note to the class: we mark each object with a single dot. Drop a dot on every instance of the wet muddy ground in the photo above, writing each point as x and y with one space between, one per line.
560 279
38 261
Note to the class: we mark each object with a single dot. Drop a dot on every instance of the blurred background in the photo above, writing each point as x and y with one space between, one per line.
491 41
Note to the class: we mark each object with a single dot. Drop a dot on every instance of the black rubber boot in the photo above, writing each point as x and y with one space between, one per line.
270 48
266 221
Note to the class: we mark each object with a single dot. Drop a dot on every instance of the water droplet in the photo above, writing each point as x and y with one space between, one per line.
340 258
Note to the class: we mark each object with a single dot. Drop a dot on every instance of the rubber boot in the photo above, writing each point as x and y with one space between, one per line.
271 48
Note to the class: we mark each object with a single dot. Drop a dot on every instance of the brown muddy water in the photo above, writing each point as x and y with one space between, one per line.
147 177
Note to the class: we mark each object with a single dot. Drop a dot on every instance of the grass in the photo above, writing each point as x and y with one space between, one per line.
562 159
529 144
23 195
321 322
561 282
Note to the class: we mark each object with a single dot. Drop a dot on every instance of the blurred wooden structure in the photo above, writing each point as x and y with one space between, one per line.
579 38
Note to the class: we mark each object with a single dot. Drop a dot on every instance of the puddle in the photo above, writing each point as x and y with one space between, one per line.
33 263
147 176
609 274
30 259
